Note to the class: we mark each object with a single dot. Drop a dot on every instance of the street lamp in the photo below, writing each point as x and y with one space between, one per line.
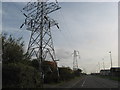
110 58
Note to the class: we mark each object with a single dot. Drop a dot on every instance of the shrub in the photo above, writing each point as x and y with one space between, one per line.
18 75
66 73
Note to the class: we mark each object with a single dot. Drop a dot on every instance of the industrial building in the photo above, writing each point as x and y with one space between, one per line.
105 72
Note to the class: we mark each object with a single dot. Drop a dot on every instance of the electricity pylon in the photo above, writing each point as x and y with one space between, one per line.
75 63
37 21
103 64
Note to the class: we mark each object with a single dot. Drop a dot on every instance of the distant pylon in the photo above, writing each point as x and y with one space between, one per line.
75 63
37 21
103 64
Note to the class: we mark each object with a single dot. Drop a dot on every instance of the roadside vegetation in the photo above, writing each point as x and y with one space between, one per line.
18 71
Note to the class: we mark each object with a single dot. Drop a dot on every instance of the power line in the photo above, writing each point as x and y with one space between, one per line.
66 23
66 34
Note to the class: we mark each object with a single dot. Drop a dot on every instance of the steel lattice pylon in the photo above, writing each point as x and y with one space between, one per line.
39 23
75 63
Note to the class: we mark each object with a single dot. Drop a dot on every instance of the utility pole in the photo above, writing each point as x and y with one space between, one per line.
37 21
75 63
103 64
110 58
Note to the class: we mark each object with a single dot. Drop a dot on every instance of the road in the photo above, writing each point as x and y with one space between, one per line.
87 81
91 81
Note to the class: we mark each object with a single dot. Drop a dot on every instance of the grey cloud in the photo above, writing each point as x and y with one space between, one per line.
63 54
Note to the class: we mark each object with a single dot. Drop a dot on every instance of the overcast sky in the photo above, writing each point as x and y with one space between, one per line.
88 27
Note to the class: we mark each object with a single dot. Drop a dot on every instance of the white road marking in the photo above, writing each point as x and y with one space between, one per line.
84 82
76 83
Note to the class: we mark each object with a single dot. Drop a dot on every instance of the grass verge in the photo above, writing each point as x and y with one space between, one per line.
53 84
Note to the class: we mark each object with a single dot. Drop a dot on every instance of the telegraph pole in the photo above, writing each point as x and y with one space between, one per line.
37 21
75 63
110 58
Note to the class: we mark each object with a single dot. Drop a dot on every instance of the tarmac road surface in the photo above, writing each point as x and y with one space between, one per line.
90 81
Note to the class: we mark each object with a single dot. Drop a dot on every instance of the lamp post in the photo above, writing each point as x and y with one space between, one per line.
110 58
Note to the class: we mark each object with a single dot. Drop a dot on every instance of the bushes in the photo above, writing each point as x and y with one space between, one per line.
66 73
10 75
77 72
29 77
50 71
51 77
12 49
17 70
18 75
